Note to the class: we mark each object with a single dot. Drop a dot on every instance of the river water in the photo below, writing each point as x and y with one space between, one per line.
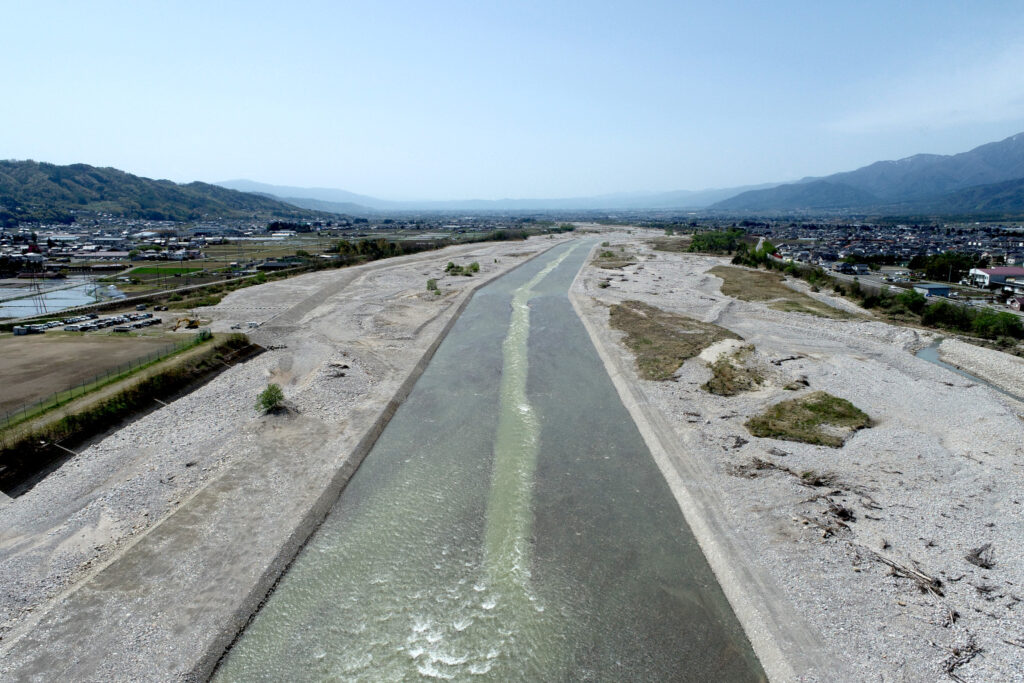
509 525
930 353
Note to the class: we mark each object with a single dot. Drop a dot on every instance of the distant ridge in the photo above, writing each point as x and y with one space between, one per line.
819 194
981 180
995 199
34 191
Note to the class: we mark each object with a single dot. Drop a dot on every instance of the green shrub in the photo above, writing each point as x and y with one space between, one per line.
431 285
270 398
912 300
945 314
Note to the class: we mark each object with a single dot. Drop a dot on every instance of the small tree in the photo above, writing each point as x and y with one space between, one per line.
270 398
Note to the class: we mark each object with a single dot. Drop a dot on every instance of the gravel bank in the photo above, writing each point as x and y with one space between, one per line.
1001 369
140 557
810 569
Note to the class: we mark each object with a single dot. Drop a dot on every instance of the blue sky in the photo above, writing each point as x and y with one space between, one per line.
445 100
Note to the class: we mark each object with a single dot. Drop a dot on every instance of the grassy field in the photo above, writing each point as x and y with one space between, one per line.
217 264
162 270
662 341
36 366
763 285
817 418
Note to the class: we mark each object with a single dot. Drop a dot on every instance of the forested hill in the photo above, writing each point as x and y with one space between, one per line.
33 191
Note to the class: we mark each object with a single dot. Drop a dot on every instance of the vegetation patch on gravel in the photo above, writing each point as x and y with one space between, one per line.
817 418
614 257
761 285
674 244
731 376
662 341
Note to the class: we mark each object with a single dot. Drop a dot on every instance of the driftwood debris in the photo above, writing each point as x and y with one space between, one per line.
958 656
927 584
982 556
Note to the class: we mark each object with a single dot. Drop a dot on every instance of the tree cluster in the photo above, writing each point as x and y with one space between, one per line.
717 241
949 266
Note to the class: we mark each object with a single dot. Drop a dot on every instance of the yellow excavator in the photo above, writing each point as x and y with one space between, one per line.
188 323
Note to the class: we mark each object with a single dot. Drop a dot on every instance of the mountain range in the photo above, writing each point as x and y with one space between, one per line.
328 199
985 180
33 191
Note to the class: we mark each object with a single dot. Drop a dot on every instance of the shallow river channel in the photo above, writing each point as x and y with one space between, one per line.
509 525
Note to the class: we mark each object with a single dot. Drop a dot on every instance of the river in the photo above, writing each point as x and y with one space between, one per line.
509 524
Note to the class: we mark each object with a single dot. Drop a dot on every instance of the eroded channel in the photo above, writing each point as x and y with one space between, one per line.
509 524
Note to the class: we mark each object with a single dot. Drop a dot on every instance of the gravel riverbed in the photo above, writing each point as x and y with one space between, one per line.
935 481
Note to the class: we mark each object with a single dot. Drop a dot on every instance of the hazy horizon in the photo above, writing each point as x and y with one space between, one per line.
458 101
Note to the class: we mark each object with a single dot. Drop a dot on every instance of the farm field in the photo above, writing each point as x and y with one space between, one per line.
36 366
162 270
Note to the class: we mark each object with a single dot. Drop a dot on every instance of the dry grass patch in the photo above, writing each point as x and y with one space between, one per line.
676 244
614 257
764 285
817 418
662 341
731 376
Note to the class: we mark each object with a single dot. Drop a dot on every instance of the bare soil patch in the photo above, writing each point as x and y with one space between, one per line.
662 341
39 365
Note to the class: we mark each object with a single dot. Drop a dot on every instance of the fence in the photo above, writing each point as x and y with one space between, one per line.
59 398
